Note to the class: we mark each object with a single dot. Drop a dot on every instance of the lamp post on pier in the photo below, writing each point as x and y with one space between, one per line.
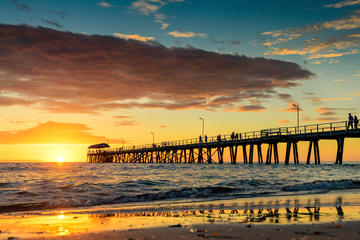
297 110
203 122
153 135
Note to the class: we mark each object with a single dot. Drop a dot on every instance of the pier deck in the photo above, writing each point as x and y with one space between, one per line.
196 151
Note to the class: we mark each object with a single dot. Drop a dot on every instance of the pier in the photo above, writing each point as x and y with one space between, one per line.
203 151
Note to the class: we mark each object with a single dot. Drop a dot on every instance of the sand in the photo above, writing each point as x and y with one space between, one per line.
346 230
320 216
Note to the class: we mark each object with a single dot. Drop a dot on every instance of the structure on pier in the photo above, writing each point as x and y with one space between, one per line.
197 151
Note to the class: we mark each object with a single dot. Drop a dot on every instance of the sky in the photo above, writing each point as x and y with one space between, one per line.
75 73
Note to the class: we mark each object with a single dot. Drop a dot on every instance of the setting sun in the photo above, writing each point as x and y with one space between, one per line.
60 159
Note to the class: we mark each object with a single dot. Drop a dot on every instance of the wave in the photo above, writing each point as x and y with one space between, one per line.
184 193
323 185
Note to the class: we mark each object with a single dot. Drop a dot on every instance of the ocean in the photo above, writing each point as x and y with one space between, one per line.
47 186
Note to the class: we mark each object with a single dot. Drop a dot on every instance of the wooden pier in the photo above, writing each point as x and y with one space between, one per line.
203 151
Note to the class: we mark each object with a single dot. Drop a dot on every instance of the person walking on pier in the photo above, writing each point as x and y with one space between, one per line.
350 123
200 140
206 138
356 122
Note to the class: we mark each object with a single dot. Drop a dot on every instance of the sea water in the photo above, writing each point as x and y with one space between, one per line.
45 186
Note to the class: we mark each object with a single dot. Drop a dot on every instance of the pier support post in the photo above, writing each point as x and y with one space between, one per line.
276 153
314 143
181 154
269 153
220 151
288 150
209 155
317 152
340 150
251 154
233 153
244 154
191 156
176 156
296 153
158 157
200 155
309 153
260 158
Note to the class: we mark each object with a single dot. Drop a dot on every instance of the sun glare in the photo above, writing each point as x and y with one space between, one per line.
60 159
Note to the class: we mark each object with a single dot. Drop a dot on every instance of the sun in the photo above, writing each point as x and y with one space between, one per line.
60 159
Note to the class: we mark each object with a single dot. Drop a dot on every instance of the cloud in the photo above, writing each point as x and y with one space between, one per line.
331 99
104 4
285 121
134 36
285 97
68 72
123 117
186 34
334 40
151 7
315 50
21 6
338 80
126 123
53 133
12 101
164 26
51 22
250 108
290 108
326 111
162 126
343 4
147 7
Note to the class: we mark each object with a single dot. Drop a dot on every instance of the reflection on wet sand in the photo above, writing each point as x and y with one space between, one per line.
61 223
250 212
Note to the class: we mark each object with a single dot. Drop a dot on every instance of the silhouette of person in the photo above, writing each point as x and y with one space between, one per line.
356 122
200 140
205 138
350 123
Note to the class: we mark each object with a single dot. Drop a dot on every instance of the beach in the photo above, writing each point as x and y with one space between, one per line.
348 230
320 216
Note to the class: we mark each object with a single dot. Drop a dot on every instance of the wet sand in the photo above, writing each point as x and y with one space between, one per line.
348 230
321 216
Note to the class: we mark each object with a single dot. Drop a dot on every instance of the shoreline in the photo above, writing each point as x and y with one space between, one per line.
294 213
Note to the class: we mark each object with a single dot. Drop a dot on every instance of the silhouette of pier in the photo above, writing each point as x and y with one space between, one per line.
198 150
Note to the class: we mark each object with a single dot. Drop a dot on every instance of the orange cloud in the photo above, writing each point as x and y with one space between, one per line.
285 121
133 36
126 123
53 133
343 4
186 34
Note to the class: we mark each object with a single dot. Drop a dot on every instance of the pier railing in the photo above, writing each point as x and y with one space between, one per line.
281 131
